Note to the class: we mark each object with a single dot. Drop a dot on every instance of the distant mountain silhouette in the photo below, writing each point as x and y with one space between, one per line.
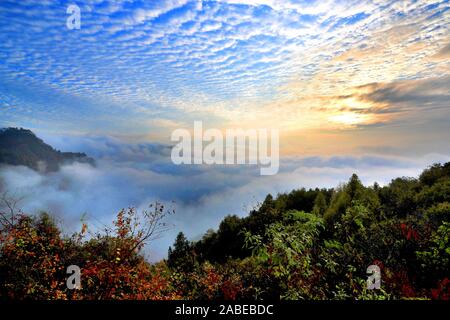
20 146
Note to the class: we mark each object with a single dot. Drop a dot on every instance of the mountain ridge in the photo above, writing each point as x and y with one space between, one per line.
19 146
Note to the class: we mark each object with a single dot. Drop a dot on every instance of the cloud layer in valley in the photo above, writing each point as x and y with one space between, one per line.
139 174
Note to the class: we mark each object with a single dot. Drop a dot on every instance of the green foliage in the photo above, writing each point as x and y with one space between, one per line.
438 213
320 204
288 251
436 258
399 198
306 244
435 173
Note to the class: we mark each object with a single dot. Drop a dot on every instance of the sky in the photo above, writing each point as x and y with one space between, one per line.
353 86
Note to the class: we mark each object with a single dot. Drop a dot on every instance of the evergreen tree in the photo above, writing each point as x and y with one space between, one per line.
180 257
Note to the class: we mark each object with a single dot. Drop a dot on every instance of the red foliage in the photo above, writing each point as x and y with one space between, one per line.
409 232
231 288
442 292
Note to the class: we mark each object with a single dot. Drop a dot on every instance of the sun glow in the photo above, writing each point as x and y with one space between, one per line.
350 112
350 118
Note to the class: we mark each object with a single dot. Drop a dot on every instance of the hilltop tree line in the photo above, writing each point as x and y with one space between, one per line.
306 244
21 147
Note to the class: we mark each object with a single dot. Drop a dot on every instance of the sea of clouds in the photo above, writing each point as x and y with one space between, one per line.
138 174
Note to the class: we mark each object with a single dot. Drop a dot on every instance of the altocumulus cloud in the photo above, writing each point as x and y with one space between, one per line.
140 58
130 174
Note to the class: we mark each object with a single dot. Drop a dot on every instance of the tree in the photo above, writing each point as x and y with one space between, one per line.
31 263
354 187
320 204
181 256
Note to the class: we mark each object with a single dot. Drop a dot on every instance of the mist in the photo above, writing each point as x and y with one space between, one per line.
137 175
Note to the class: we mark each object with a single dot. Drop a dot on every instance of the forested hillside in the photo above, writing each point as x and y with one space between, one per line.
21 147
308 244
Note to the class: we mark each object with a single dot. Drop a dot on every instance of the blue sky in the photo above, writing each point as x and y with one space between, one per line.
353 86
143 68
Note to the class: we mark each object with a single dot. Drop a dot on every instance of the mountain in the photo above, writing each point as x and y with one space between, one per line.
20 146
